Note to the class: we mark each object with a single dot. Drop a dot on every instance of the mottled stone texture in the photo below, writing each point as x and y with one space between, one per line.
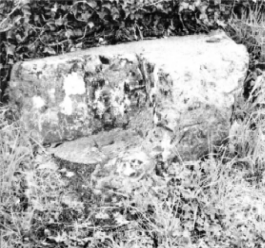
181 87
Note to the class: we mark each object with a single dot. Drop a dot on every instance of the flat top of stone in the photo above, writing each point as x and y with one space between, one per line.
168 47
173 54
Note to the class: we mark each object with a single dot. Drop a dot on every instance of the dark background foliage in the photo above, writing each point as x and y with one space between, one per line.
40 28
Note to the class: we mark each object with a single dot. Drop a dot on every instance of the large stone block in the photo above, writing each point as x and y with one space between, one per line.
178 91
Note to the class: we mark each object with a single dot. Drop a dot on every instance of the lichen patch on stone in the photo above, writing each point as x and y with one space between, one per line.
37 102
74 84
66 106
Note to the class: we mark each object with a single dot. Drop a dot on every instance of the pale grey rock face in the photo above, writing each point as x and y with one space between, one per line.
177 91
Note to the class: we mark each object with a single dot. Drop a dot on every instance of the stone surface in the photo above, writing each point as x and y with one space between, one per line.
172 96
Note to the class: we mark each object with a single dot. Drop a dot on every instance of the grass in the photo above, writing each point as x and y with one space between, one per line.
211 203
249 30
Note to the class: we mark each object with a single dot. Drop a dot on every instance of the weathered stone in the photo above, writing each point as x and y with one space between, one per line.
180 88
98 148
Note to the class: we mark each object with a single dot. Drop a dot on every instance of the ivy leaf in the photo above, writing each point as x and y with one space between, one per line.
78 32
32 47
160 7
75 11
55 8
36 18
26 10
24 2
49 50
86 16
102 14
59 21
51 26
115 13
92 4
10 49
69 33
132 17
10 61
90 25
107 6
17 19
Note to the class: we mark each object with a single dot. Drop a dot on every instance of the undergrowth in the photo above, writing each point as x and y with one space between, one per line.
211 203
